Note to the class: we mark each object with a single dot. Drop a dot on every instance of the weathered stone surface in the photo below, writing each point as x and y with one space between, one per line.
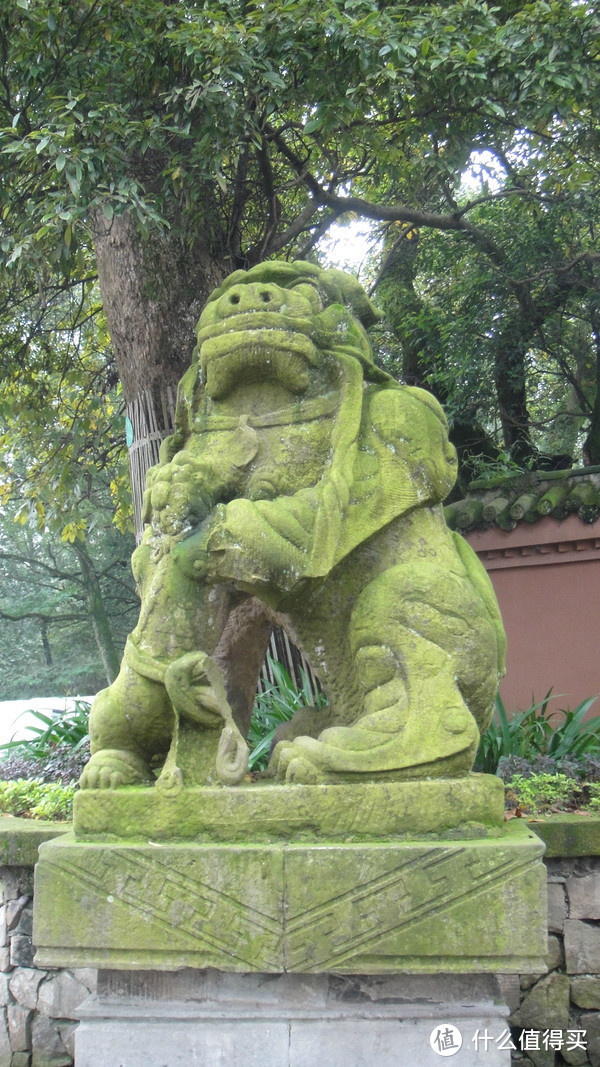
60 996
10 877
5 1049
584 897
21 1059
574 1056
25 876
556 955
5 964
294 991
541 1057
19 1027
351 1021
474 804
569 835
47 1046
178 1043
19 843
67 1033
546 1005
557 907
14 911
88 976
590 1022
582 947
585 992
510 990
459 905
25 923
4 991
3 926
55 1060
21 951
529 980
24 985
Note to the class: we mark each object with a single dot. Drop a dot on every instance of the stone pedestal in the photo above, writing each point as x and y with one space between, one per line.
264 1020
463 905
301 911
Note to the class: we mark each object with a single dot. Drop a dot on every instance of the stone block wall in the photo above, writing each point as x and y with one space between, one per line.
566 998
38 1008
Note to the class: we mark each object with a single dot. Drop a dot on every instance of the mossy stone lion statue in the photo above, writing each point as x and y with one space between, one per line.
302 478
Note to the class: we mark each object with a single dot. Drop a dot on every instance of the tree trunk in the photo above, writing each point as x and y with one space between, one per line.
591 448
46 644
153 291
510 380
97 612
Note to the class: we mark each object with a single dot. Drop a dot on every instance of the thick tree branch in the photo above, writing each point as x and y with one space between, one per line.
14 557
40 616
388 212
317 232
240 197
279 241
274 208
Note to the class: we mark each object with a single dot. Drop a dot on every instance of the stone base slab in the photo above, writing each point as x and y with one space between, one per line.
372 907
267 810
218 1020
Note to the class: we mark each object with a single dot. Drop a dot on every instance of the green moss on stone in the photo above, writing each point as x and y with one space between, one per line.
569 835
464 906
20 839
472 807
302 475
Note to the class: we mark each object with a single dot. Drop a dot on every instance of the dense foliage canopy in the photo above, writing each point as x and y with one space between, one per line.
163 144
150 147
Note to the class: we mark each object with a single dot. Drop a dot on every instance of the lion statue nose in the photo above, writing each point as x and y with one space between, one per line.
241 299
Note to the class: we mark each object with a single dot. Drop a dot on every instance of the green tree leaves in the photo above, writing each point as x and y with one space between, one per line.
175 142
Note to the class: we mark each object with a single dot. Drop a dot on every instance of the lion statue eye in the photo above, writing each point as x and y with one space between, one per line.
310 293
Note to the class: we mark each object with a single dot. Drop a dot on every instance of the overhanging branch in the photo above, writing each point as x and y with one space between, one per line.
387 212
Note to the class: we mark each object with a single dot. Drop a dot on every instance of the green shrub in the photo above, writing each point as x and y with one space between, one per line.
538 731
275 705
541 792
32 798
63 764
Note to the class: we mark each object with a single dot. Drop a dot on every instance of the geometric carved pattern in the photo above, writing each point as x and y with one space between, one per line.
408 909
355 908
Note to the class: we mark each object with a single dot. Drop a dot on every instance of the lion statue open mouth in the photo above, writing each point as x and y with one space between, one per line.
300 480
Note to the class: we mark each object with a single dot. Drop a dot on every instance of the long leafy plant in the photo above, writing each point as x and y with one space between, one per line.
274 705
68 728
539 731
